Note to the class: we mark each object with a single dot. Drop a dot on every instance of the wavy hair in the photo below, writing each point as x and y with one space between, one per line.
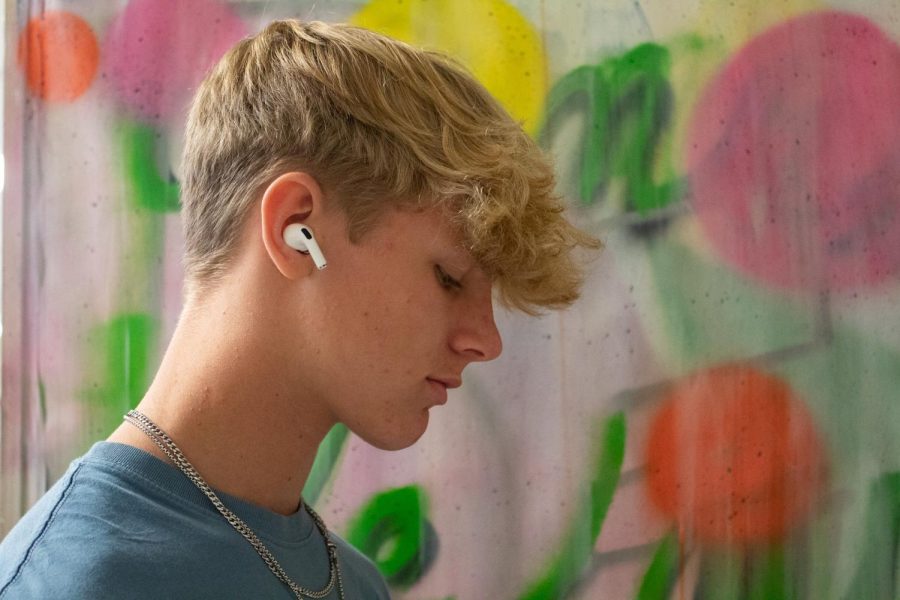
379 124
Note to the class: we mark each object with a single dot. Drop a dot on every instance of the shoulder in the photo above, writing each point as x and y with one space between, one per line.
23 545
93 535
359 573
61 547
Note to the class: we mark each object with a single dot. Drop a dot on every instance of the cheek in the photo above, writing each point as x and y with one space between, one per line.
384 322
365 333
395 314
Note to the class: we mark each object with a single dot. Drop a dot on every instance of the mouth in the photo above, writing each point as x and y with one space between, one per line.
448 382
439 390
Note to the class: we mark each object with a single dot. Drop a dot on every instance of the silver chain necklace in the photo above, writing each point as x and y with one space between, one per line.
166 444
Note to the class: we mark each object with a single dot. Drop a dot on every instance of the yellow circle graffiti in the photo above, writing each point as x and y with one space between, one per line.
490 37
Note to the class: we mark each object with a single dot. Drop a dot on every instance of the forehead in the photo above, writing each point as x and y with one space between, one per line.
404 236
430 227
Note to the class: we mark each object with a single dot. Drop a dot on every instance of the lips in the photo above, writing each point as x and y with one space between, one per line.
448 382
440 385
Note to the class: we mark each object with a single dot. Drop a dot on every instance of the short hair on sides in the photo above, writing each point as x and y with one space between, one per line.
380 124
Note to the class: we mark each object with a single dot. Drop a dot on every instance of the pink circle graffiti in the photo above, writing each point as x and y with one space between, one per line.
794 155
156 52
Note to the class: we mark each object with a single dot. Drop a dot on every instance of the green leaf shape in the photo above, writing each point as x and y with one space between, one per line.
393 530
578 544
660 577
769 575
149 190
582 83
325 464
879 564
628 105
121 356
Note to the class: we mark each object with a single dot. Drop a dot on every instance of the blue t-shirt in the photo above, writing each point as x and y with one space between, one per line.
123 524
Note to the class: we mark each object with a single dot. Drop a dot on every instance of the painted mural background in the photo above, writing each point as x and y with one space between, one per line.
717 418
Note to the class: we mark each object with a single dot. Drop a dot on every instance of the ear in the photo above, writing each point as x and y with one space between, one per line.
293 197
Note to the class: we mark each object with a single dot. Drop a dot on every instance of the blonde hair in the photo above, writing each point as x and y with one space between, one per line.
379 124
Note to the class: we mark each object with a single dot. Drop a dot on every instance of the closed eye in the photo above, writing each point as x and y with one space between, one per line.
445 280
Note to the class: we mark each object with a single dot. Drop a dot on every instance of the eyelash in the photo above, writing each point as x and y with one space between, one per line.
445 280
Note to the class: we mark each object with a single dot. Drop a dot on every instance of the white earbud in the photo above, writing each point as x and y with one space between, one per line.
300 237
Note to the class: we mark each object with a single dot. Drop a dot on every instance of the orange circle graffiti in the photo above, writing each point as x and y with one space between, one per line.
734 457
59 53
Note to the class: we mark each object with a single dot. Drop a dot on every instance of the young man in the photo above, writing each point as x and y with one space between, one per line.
308 143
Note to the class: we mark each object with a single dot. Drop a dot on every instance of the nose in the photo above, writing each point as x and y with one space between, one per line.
476 337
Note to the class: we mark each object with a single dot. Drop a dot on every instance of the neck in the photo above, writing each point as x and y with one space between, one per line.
222 396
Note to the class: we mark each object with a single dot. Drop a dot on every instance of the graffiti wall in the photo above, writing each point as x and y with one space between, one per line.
717 418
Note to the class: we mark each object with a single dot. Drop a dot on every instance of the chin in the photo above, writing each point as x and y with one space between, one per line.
397 437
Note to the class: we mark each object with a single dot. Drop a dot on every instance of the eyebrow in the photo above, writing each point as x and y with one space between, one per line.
462 258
